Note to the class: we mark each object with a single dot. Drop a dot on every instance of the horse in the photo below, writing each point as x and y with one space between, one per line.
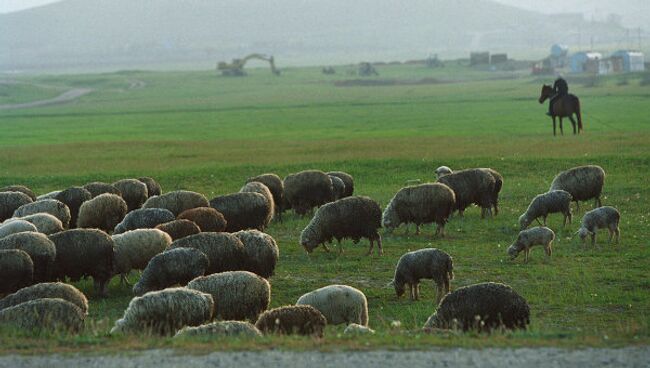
563 107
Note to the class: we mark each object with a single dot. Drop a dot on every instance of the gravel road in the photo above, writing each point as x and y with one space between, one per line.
527 357
67 96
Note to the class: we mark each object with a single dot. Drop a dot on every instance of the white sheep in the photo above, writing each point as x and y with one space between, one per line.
44 222
222 328
544 204
606 217
14 227
339 304
134 249
54 207
442 171
534 236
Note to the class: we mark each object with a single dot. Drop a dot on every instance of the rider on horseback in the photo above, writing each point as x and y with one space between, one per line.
560 88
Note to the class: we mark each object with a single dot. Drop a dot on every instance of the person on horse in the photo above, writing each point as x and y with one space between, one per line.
560 88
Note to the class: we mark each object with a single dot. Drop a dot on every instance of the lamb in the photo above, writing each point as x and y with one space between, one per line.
103 212
262 252
442 171
276 186
179 229
39 248
483 307
16 270
528 238
356 329
427 263
221 328
292 319
47 290
135 248
144 218
347 179
10 202
17 226
307 189
606 217
543 204
84 252
153 187
44 315
338 187
257 187
164 312
19 188
339 304
206 218
225 251
97 187
55 208
177 266
353 217
244 210
73 197
134 192
177 201
44 222
237 295
420 204
472 186
582 182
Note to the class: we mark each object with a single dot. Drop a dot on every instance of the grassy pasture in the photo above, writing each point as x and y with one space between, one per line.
197 131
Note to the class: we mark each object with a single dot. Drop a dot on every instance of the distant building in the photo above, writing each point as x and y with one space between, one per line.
498 58
478 58
628 61
585 62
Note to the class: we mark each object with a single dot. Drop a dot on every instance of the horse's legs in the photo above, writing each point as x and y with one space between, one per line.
561 128
553 125
573 122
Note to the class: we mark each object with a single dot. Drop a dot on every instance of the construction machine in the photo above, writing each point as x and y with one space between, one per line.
236 67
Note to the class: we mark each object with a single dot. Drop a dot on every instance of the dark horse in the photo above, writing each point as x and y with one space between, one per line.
564 107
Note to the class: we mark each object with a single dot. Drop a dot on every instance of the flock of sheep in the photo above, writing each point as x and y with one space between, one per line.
206 264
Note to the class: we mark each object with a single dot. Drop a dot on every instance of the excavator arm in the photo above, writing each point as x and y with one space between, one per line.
236 67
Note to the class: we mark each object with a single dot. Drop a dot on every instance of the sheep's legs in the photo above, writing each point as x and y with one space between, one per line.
327 249
372 245
538 222
411 292
417 229
593 238
549 249
617 232
526 251
417 291
124 279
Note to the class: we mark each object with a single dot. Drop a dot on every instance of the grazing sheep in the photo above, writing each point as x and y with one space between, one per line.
276 186
606 217
472 186
442 171
582 182
347 179
19 188
545 203
84 252
47 290
427 263
10 202
262 252
237 295
481 307
55 208
103 212
73 197
178 229
225 251
355 329
153 188
339 304
177 201
244 210
353 217
221 328
164 312
144 218
134 249
39 248
206 218
97 187
16 270
44 222
420 204
14 227
533 236
49 195
307 189
257 187
338 187
45 314
134 192
292 319
174 267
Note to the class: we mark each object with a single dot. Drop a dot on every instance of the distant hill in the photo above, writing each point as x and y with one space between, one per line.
81 33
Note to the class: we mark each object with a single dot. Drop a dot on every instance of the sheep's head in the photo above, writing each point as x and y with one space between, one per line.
583 232
442 171
524 221
309 240
399 288
389 219
513 251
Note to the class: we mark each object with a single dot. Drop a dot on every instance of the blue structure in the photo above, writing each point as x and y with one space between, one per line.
582 62
633 61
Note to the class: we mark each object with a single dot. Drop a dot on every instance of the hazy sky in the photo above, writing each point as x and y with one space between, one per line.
7 6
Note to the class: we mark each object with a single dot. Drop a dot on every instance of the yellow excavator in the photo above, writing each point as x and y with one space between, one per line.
236 67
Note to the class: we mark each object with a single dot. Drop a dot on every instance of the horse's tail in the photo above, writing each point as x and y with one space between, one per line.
579 114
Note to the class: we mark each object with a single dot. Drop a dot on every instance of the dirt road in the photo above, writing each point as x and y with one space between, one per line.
67 96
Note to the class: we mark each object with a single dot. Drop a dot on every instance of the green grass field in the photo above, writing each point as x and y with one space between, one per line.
201 132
